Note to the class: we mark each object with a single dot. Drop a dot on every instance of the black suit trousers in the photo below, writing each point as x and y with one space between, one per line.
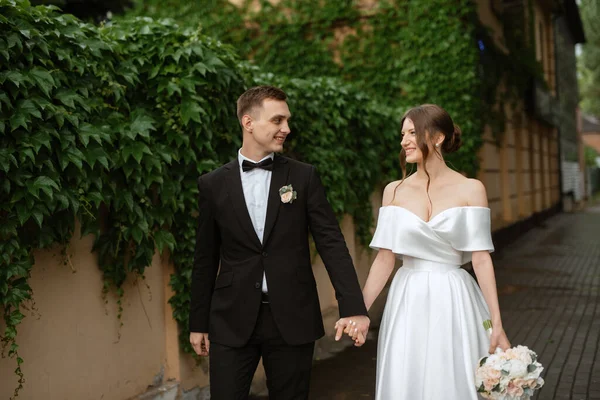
287 367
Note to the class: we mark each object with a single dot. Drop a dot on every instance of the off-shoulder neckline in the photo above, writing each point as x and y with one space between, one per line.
436 215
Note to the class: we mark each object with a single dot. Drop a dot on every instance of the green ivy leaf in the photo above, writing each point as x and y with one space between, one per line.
96 154
40 139
62 200
137 150
73 119
13 76
164 239
14 40
60 119
38 217
15 318
43 79
43 183
19 119
128 197
95 197
137 234
68 97
6 186
190 110
75 156
142 125
88 131
22 213
4 99
28 107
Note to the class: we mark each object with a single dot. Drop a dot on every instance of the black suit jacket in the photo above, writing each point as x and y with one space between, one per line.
227 306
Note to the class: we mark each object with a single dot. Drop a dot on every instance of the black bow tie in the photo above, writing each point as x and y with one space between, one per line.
264 164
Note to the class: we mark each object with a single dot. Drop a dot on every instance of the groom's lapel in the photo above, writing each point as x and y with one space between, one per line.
238 201
279 178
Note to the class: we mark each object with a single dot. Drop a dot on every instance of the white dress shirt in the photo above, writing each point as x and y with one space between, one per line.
256 184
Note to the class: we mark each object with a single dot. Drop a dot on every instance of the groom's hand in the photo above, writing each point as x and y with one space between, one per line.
356 327
200 343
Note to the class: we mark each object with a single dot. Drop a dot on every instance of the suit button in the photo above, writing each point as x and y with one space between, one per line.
264 254
257 285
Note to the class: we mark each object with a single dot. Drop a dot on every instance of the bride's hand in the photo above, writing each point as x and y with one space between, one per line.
356 331
498 339
357 336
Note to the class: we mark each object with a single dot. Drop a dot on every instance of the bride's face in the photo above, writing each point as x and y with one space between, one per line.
409 142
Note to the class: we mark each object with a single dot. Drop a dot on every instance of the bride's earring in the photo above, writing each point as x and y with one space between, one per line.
437 145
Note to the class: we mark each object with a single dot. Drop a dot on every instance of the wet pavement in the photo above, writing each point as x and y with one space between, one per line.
549 290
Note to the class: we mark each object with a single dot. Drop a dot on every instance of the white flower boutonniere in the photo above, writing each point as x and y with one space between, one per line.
287 194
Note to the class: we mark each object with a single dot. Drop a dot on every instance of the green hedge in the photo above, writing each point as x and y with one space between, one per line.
109 126
403 53
112 125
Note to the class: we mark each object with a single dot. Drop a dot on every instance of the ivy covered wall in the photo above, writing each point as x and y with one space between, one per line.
112 125
402 53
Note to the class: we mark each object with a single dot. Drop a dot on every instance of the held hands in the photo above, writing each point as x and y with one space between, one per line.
356 327
200 343
498 339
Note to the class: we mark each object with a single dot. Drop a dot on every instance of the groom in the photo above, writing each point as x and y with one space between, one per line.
255 216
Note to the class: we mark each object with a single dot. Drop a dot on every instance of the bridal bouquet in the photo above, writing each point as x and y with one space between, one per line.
508 375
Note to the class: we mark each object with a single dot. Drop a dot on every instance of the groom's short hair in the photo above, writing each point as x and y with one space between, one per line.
254 97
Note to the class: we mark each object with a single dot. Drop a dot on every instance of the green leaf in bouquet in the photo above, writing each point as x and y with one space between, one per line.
533 356
531 368
482 361
481 389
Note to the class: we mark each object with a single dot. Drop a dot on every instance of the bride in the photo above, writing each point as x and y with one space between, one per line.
432 333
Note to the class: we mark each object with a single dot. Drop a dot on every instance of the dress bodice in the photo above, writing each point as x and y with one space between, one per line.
449 237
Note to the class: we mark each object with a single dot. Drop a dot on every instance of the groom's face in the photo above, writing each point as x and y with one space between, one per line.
270 125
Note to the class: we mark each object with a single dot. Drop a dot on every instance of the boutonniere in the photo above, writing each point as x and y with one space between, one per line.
287 194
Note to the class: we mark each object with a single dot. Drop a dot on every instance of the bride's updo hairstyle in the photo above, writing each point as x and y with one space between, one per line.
431 120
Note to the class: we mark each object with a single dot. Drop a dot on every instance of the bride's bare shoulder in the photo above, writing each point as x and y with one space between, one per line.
392 189
475 192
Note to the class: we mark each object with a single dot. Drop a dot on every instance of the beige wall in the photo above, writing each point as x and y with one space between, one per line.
520 168
72 348
592 140
521 172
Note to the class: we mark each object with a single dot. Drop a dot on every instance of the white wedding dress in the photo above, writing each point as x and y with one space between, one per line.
431 334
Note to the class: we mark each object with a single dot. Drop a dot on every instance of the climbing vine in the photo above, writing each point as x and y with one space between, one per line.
401 53
108 126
